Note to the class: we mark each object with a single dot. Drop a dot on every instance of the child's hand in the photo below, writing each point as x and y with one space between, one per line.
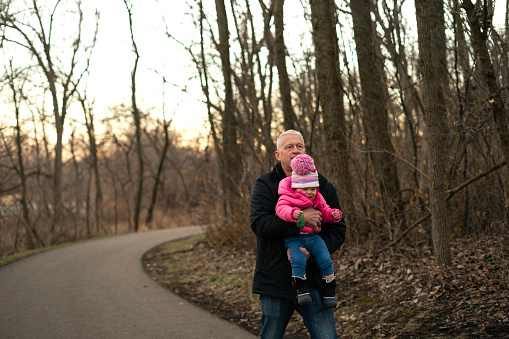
336 214
296 214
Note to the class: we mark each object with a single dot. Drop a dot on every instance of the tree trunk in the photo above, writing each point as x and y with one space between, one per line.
137 124
113 176
88 203
202 68
280 58
160 168
325 40
461 66
439 51
266 120
89 122
230 147
506 21
461 45
78 183
374 101
57 171
31 235
503 47
434 113
479 39
409 98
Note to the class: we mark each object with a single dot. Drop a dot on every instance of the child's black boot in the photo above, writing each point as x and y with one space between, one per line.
303 295
329 293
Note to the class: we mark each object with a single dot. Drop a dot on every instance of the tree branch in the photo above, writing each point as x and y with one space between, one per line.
451 193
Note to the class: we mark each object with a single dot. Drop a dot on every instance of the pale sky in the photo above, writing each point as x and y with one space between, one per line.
113 61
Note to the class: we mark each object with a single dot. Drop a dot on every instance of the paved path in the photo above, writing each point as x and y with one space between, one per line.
98 289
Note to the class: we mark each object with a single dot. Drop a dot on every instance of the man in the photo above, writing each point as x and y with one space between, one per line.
272 278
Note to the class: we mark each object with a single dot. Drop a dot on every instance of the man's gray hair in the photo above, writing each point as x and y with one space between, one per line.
290 131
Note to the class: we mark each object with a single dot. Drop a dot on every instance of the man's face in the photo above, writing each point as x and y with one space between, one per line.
291 146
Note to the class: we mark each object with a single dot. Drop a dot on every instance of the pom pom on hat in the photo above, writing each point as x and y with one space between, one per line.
304 173
302 164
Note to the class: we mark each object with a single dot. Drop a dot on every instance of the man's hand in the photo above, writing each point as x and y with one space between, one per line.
302 249
312 218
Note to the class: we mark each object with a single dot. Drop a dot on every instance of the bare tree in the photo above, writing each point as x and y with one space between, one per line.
479 20
14 76
35 36
158 177
137 123
254 109
266 119
280 58
76 204
434 112
331 100
375 102
201 65
92 144
229 127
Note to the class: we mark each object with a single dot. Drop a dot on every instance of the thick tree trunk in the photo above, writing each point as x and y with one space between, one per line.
280 58
266 119
434 113
325 40
231 154
374 101
205 88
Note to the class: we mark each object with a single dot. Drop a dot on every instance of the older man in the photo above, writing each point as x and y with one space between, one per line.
272 278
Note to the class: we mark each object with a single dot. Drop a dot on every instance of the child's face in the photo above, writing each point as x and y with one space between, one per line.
310 192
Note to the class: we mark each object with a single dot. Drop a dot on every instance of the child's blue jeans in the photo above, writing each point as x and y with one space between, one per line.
316 247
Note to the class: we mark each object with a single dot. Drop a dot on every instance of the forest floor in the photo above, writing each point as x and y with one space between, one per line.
396 295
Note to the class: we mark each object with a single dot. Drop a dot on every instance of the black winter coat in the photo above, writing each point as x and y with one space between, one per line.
273 270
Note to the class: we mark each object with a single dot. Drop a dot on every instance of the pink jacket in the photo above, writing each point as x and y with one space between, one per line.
291 200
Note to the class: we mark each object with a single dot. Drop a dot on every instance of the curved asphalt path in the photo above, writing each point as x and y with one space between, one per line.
98 289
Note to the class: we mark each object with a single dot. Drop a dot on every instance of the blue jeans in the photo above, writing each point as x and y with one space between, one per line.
276 314
316 247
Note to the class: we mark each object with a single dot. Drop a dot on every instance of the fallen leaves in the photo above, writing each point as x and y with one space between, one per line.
401 295
470 298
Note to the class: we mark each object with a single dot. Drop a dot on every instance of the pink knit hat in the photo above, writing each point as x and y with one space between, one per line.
304 173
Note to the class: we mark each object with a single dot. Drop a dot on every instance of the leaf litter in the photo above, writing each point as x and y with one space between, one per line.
391 295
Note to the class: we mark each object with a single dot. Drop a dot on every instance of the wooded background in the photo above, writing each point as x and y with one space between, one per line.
409 123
